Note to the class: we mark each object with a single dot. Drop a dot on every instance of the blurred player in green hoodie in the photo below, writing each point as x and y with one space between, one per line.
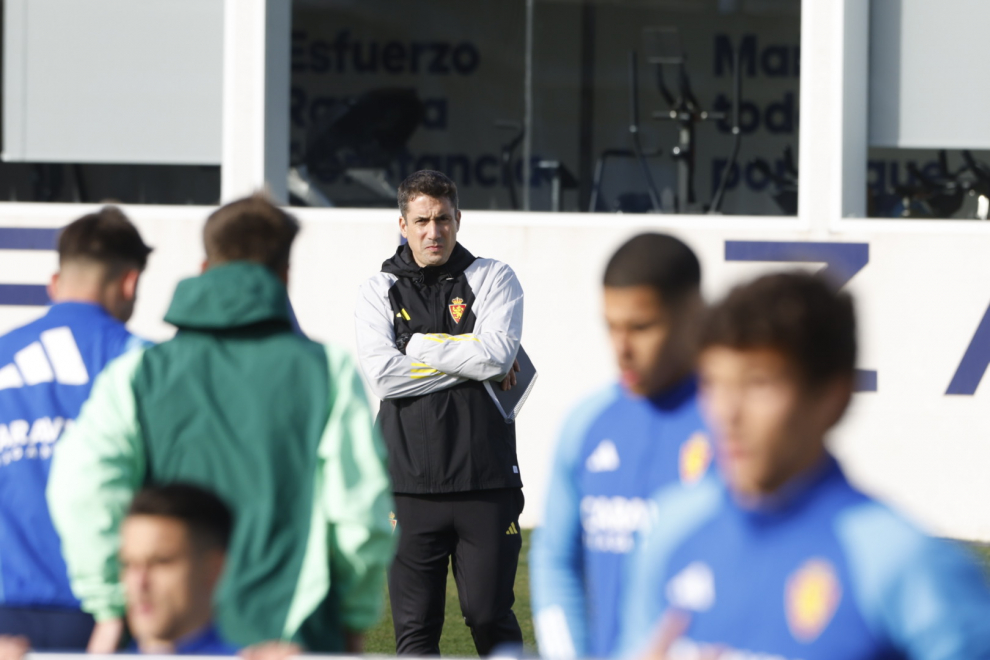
275 424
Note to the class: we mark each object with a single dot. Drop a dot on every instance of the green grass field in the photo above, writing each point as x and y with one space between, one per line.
456 640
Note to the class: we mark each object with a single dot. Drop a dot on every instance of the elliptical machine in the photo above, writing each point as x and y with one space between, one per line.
664 51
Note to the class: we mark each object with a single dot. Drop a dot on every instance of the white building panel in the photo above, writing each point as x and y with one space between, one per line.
113 81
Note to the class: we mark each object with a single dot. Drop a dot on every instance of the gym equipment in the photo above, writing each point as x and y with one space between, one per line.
636 152
664 51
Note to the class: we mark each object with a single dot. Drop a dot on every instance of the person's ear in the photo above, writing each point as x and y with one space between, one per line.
205 266
457 219
283 274
53 287
403 227
129 284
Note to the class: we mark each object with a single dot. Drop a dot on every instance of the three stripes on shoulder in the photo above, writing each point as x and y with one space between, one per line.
55 357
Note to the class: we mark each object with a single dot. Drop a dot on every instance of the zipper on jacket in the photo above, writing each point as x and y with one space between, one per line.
438 304
436 293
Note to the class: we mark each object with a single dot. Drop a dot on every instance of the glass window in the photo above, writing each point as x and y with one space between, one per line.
928 183
929 140
382 88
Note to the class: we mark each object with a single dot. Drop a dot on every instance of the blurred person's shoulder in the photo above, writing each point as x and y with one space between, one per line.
883 546
591 410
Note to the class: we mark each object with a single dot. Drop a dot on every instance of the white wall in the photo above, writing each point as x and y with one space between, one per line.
920 299
113 81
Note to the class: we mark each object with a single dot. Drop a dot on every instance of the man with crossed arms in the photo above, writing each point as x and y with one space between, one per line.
432 326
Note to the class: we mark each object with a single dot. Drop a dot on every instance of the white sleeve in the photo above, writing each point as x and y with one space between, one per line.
390 374
489 351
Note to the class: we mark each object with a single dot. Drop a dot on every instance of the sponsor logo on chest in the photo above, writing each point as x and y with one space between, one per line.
611 523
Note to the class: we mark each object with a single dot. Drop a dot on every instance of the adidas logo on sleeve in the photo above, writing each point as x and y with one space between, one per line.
55 358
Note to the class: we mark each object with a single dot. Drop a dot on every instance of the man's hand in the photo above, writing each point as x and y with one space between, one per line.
402 341
13 648
106 636
353 642
271 651
510 380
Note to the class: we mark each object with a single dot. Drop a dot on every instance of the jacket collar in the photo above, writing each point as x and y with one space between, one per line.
402 264
233 295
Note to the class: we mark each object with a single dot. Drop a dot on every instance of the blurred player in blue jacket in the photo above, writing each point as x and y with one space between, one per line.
619 447
786 559
173 549
47 368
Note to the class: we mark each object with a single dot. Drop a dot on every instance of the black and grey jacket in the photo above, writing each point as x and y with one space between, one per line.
443 431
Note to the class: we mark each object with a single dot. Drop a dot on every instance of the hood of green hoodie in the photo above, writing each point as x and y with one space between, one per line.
233 295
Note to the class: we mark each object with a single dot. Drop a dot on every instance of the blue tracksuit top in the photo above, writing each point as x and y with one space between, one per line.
615 451
825 572
205 642
47 368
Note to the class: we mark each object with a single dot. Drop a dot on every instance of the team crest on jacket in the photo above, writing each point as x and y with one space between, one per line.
695 457
457 308
812 596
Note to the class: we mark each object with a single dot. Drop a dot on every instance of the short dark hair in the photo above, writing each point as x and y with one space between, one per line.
655 260
802 315
250 229
208 518
105 237
426 182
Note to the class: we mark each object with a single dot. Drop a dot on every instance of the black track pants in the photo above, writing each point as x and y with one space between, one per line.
479 532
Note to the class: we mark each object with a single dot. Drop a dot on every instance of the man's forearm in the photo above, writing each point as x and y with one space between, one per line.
475 357
414 379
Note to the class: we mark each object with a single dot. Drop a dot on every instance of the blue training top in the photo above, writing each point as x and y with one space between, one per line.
46 371
616 450
205 642
824 572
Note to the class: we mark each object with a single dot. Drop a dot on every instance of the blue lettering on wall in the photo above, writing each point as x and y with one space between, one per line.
974 361
26 238
842 261
23 294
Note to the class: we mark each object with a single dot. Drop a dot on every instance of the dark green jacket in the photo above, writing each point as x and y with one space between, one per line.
276 424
